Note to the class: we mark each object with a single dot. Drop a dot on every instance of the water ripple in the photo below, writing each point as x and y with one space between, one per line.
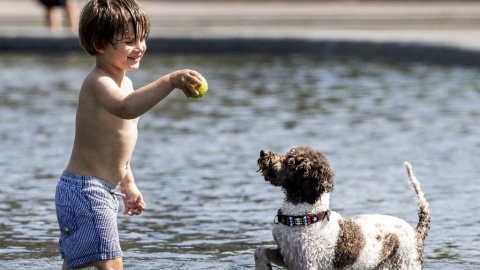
195 160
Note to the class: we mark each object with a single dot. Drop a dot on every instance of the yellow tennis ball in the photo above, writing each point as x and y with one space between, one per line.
201 89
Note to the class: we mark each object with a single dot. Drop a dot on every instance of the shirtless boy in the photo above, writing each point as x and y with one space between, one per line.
114 31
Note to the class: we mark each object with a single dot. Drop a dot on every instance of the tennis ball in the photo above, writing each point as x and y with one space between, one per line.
201 89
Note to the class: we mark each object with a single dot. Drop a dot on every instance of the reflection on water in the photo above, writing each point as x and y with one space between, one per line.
195 160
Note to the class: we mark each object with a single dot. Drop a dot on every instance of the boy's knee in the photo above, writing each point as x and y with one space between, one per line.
111 264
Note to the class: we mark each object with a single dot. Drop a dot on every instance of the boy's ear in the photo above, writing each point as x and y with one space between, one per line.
98 47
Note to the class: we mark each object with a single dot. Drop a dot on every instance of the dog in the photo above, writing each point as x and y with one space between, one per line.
310 236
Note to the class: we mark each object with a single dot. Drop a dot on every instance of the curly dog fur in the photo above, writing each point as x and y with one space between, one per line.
335 242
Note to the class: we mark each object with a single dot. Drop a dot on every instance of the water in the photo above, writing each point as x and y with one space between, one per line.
195 160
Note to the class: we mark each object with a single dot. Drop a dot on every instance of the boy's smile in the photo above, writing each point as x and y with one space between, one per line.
135 58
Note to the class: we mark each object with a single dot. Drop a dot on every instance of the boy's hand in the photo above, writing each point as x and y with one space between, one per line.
133 200
184 80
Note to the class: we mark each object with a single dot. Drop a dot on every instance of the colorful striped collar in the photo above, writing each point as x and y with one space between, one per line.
300 220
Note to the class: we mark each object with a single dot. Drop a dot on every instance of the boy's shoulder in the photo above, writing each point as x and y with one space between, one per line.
95 77
98 79
98 76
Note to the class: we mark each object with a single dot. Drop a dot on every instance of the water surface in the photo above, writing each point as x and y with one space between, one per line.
195 160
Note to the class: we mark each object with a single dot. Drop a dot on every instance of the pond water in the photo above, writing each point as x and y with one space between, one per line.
195 159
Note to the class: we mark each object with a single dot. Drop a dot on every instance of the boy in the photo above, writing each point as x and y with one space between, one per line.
114 31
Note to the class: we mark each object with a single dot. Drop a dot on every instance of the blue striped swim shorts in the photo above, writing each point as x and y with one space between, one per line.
87 210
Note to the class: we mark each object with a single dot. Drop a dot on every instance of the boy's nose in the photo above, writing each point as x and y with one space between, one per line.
141 45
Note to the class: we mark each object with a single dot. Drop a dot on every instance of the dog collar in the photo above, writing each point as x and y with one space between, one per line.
300 220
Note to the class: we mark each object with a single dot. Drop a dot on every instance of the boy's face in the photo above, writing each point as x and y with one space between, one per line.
127 53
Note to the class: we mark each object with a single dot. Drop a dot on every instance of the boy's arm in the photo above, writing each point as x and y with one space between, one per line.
133 200
130 105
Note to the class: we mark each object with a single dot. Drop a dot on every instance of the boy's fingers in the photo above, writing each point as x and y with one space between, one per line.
186 93
134 199
192 89
197 80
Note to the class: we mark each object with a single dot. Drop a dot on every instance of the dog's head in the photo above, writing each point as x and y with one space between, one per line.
303 173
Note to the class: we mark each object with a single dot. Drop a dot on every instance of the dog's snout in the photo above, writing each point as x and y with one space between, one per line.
263 153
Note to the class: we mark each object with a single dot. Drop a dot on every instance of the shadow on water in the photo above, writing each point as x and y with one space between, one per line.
195 160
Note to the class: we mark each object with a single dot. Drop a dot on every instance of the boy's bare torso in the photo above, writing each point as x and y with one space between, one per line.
104 143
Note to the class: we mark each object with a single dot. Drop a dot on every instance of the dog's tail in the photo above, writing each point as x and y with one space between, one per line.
424 210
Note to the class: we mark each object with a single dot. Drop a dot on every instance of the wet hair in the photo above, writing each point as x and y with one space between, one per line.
101 21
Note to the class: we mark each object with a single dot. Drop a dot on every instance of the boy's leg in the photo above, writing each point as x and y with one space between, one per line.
113 264
116 264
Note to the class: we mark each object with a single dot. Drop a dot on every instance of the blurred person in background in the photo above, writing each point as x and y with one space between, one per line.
54 18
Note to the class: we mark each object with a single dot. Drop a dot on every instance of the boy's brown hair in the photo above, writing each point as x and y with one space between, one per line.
102 20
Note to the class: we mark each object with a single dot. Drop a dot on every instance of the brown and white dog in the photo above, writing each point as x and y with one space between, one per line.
310 236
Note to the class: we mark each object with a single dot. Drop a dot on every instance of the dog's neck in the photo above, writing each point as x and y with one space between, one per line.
321 205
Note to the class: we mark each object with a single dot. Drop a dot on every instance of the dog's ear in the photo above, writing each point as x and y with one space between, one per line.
318 179
269 164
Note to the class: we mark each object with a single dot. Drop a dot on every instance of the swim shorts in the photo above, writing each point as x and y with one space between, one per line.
87 217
